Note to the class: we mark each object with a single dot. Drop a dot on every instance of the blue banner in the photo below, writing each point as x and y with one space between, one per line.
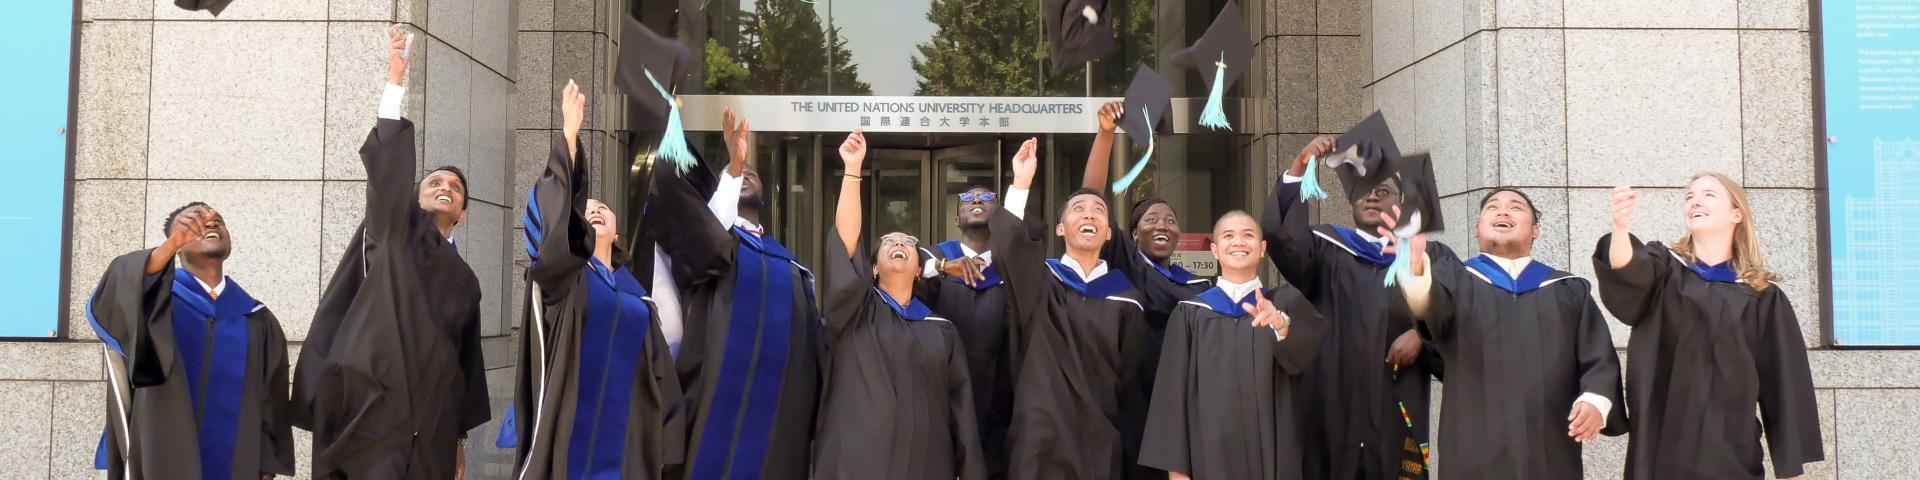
1871 50
36 45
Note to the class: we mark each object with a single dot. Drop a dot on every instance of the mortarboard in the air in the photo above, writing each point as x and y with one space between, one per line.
1221 56
1361 158
1419 205
1078 31
651 69
211 6
1146 104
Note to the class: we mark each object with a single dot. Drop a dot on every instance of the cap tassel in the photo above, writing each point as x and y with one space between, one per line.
673 143
1212 117
1402 265
1310 181
1141 165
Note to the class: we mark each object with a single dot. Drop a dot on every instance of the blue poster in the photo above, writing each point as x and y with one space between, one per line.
36 44
1871 50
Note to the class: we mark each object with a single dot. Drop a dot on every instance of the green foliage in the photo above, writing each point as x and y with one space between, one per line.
783 50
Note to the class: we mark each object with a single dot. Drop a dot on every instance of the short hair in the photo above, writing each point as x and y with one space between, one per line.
466 188
1081 191
1523 196
166 224
1139 210
978 187
1235 213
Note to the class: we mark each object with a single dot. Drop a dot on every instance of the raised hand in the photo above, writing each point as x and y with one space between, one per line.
1624 202
187 228
1417 246
1319 147
1025 163
573 112
1265 315
853 152
739 140
399 48
1110 115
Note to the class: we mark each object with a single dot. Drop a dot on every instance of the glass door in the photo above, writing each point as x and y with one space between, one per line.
895 191
961 168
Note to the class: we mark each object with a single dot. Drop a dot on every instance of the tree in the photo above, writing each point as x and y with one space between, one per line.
784 50
996 48
724 74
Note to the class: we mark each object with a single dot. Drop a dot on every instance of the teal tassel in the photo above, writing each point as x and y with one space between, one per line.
1212 117
1127 180
673 143
1310 182
1402 262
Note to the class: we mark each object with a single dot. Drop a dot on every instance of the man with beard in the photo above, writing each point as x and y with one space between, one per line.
961 283
196 368
749 358
391 377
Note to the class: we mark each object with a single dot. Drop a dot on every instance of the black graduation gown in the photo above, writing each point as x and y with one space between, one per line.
1702 354
1084 355
596 379
1223 401
1352 398
392 376
897 402
1161 288
179 362
749 360
1519 353
981 314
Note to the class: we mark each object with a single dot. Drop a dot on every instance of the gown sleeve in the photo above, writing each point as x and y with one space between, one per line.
847 287
1283 221
558 239
1019 254
125 311
474 410
1166 443
391 193
1599 362
1629 292
276 432
1305 334
1437 324
960 411
673 421
1787 407
701 247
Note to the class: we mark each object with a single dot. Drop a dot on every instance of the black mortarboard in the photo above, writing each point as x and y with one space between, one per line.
211 6
1148 99
1362 156
643 52
1419 194
1227 38
1078 30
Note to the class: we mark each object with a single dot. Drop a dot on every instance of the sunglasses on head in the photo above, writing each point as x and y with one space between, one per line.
892 240
970 197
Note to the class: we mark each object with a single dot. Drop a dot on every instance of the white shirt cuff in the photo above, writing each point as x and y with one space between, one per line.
1417 288
1599 403
725 203
1286 178
390 101
932 268
1016 202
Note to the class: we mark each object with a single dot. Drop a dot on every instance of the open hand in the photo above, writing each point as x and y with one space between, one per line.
739 140
970 270
1025 163
1110 115
1584 422
853 152
187 228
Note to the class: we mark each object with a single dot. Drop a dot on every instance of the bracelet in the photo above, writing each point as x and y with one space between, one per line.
851 176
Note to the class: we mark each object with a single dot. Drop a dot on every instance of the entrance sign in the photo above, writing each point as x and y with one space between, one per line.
908 114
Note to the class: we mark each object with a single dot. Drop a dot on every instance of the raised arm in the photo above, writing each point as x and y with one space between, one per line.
388 153
1019 245
853 154
1283 220
558 239
849 277
725 201
1096 174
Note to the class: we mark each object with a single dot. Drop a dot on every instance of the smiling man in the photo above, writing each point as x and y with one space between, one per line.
962 283
1532 371
391 377
196 367
1084 339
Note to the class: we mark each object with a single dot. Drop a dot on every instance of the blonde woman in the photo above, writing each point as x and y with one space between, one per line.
1713 336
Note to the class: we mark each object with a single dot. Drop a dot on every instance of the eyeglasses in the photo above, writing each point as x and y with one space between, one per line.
891 240
970 196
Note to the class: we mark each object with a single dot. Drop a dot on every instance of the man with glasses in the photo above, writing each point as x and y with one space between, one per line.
961 284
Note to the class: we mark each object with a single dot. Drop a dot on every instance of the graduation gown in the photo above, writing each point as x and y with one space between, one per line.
196 386
1705 349
1353 398
897 402
391 376
1519 352
750 358
596 382
981 315
1223 401
1085 348
1161 288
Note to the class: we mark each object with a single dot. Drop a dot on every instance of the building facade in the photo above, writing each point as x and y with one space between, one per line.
260 112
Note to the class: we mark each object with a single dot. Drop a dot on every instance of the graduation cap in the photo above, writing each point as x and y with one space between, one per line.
1221 56
1148 99
1419 202
1078 30
1356 155
651 69
211 6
